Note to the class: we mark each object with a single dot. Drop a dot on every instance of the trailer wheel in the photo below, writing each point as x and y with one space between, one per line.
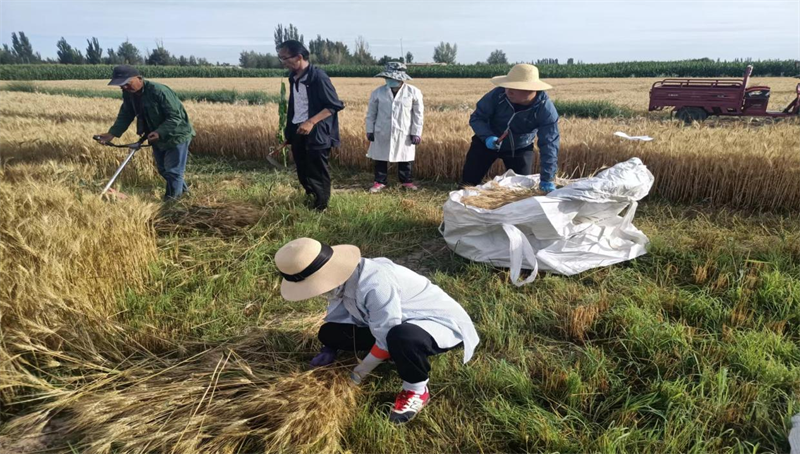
691 114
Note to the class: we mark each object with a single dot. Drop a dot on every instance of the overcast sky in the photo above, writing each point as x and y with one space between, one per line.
592 31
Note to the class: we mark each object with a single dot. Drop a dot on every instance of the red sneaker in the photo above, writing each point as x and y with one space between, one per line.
407 405
410 187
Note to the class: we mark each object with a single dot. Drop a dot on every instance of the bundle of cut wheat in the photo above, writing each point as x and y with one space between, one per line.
237 397
495 196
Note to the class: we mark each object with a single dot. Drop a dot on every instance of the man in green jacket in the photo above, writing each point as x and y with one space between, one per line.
161 117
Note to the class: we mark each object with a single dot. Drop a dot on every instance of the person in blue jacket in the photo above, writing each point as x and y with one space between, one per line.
506 121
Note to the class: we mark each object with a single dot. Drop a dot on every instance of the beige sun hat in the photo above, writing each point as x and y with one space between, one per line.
522 77
310 268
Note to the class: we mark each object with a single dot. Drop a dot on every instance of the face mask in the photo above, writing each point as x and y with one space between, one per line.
391 83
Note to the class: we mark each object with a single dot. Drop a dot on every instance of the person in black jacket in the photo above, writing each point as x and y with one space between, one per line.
312 126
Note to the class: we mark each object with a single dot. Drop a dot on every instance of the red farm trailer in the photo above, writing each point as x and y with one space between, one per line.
696 99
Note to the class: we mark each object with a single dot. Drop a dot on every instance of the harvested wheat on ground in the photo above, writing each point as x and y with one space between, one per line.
224 218
239 397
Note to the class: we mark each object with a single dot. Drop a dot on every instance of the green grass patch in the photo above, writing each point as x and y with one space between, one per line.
689 348
577 109
212 96
592 109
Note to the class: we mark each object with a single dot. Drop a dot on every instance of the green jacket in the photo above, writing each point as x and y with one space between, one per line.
163 113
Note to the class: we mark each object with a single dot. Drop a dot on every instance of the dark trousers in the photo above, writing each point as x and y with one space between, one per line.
409 346
480 160
313 170
382 172
171 164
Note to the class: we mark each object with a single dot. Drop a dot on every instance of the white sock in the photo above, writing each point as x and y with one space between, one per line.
367 365
418 388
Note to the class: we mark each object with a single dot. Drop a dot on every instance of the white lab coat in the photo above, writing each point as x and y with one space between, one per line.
393 120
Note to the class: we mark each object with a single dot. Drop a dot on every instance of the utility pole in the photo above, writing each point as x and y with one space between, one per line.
402 54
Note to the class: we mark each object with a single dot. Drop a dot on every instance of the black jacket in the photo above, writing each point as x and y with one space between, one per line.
321 95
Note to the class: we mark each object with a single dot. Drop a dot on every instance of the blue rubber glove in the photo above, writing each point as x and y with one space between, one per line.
491 142
416 140
547 186
326 356
371 137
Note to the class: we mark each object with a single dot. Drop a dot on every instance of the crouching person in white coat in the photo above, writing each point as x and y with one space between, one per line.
394 126
378 306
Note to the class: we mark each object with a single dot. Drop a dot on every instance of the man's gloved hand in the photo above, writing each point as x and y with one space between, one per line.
371 136
491 142
416 139
547 186
326 356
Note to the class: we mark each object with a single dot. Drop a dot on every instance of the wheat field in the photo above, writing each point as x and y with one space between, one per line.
737 163
452 93
128 328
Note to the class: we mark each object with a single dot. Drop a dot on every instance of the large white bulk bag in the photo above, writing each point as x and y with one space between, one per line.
572 229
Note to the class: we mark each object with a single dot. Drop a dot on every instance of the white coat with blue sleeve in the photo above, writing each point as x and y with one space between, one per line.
381 295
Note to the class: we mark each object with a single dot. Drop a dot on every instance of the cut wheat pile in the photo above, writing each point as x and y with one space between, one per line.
496 196
221 218
230 399
82 377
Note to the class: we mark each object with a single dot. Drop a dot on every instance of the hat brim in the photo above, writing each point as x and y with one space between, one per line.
120 81
339 268
535 85
401 76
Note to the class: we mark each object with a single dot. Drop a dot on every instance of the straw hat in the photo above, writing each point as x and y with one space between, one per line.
310 268
522 77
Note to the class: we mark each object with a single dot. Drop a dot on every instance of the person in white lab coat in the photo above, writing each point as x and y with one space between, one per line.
394 126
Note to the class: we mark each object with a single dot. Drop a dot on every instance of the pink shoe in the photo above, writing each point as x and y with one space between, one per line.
376 188
410 186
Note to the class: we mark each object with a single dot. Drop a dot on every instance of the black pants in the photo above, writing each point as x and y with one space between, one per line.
313 170
480 160
382 172
409 346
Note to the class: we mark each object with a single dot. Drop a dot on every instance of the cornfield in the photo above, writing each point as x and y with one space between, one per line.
687 68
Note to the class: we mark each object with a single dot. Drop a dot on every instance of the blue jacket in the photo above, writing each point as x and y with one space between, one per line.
321 95
494 114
